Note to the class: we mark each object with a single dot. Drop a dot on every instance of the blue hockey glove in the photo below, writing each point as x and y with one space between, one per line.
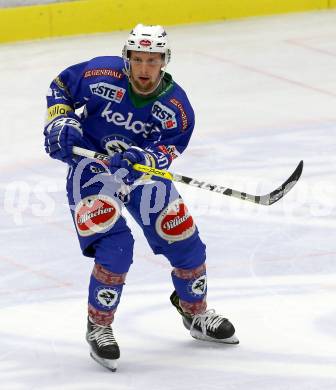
60 137
125 160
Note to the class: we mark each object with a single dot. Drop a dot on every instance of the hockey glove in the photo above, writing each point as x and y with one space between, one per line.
60 137
125 160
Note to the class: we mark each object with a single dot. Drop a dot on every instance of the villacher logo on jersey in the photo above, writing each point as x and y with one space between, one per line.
175 223
95 214
108 91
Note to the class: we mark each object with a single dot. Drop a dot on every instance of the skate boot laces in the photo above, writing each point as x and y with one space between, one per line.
208 320
103 335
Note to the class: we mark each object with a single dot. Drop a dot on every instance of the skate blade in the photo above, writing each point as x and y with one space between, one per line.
200 336
110 364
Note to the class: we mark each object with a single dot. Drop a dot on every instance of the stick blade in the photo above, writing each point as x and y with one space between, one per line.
282 190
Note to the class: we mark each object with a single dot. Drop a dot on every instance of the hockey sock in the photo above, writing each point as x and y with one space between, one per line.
191 288
104 294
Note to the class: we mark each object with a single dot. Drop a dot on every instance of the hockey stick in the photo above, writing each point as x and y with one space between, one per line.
266 199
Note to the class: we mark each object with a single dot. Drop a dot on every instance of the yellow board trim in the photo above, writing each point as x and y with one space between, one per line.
90 16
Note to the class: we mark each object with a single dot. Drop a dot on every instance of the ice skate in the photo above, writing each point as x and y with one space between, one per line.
104 348
207 326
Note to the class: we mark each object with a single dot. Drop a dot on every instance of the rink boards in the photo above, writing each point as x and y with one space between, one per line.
92 16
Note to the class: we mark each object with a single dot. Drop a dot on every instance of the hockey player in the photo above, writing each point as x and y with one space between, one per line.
133 110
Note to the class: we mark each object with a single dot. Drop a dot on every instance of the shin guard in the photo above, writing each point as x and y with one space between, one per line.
104 294
191 288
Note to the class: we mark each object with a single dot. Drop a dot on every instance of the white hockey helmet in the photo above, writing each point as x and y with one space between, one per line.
150 39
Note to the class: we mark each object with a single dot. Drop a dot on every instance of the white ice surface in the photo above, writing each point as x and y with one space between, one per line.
264 91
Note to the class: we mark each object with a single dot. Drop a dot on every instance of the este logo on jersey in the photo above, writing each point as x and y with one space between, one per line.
108 91
165 115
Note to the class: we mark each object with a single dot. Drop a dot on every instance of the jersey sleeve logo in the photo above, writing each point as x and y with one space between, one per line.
179 105
170 150
57 110
108 92
56 94
61 85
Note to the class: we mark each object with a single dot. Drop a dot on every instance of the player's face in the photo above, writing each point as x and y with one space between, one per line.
145 70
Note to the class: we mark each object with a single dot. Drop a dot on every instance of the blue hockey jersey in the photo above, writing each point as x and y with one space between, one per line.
114 118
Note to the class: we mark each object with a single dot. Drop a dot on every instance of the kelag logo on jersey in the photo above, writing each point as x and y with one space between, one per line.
108 91
165 115
127 122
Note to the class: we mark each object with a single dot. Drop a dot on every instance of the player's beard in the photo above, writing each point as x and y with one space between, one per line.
147 88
